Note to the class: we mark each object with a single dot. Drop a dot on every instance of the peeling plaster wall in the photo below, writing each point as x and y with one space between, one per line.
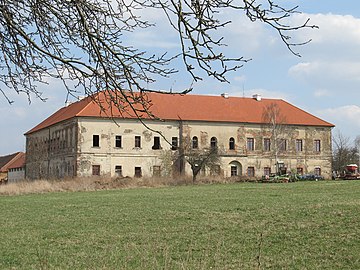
107 156
66 149
51 152
307 159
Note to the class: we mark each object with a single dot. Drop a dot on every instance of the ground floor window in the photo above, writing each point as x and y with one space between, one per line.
300 170
251 171
317 171
95 169
233 170
118 170
138 172
267 171
157 171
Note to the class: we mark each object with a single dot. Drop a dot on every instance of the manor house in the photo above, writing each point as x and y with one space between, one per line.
254 137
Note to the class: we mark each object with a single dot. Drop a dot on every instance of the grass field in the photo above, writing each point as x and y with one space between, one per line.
307 225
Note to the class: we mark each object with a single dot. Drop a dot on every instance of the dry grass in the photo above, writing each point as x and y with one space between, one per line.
96 183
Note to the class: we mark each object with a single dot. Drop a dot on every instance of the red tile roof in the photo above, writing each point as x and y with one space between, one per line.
19 162
7 161
188 108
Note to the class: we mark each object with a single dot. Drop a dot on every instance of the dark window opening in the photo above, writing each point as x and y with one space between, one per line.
138 172
174 143
195 142
300 170
156 145
317 171
118 170
137 141
213 142
96 140
233 170
118 142
232 143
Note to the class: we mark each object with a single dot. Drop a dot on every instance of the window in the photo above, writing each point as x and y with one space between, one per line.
95 169
317 171
250 144
137 141
156 145
118 141
157 171
267 171
174 143
300 170
195 143
282 145
213 142
118 170
251 171
317 146
233 170
299 145
267 144
138 172
232 143
96 141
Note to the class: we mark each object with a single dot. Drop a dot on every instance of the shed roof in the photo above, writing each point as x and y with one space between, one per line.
8 160
186 107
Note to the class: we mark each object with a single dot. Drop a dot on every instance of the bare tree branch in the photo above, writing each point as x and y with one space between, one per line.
83 43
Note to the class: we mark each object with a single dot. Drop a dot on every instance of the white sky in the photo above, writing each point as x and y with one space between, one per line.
325 81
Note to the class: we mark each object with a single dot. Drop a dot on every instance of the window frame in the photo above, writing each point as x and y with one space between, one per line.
174 143
299 145
118 141
137 141
137 172
231 143
118 171
95 170
250 144
317 146
267 144
213 142
250 171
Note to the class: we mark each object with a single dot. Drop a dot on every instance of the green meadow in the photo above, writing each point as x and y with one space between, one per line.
303 225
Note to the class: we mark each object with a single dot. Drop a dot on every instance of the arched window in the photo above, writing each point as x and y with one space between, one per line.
232 143
195 142
213 142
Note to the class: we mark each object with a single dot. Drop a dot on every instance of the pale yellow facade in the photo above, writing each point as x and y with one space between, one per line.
86 146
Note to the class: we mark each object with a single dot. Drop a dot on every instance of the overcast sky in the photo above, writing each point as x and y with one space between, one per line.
325 81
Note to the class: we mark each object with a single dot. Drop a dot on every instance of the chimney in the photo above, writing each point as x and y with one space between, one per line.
257 97
225 95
